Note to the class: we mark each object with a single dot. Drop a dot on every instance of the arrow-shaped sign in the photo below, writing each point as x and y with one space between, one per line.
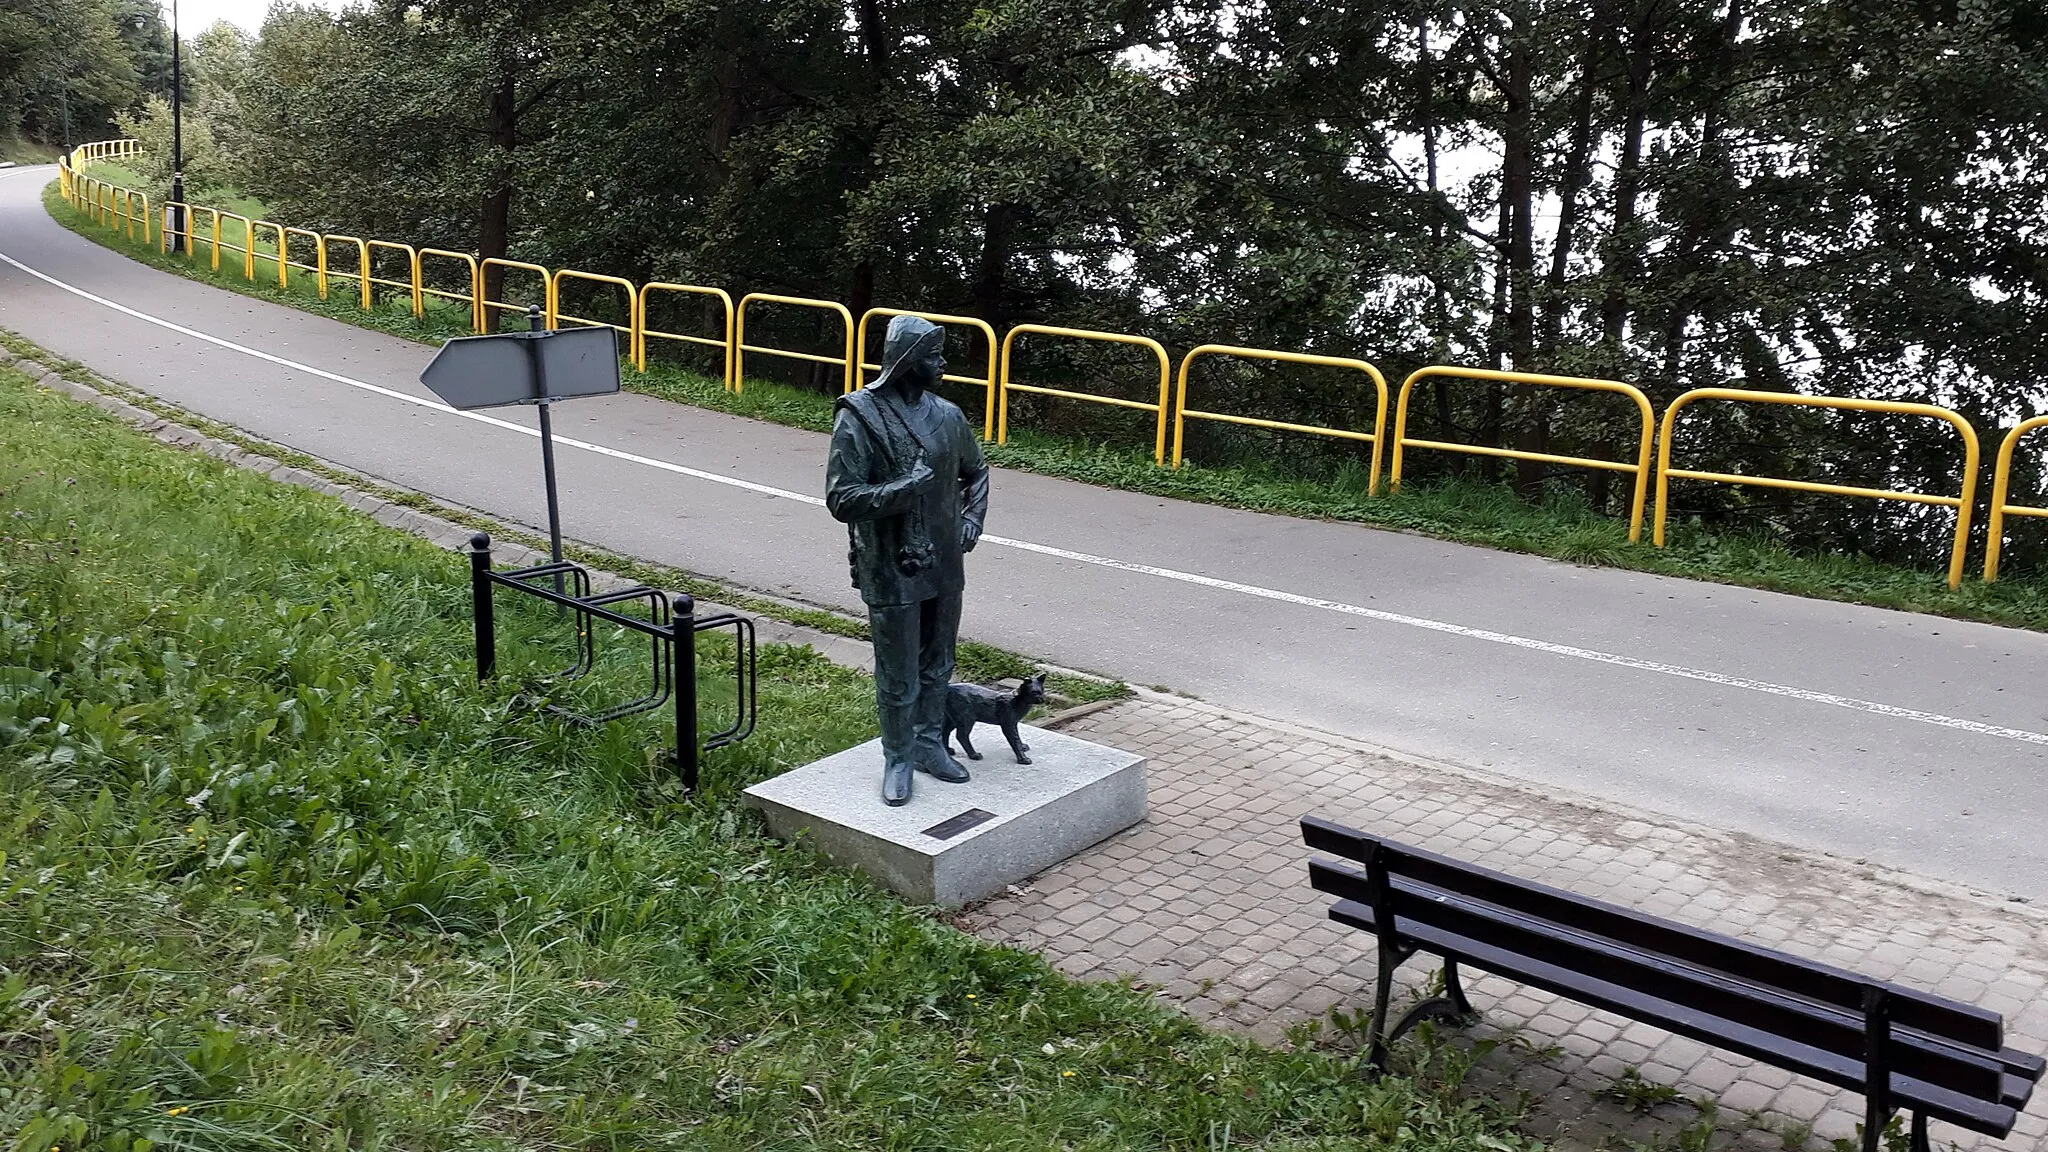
524 367
536 367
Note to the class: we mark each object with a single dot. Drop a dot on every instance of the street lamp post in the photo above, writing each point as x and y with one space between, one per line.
177 136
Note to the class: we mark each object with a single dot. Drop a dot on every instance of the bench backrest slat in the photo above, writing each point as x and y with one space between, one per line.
1937 1016
1666 978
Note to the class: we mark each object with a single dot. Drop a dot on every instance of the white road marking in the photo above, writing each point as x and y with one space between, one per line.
1745 683
394 394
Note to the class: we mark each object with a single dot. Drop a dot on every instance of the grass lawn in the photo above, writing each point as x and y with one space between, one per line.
277 873
23 152
1472 513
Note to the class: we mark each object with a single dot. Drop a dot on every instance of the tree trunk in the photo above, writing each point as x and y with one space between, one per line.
1425 113
874 40
1518 193
860 296
1439 304
1493 414
494 233
725 112
1577 176
1621 262
998 222
1707 223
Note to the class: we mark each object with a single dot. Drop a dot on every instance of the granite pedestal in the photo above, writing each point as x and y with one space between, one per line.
957 843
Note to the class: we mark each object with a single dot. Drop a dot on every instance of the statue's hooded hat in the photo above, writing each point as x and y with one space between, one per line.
909 338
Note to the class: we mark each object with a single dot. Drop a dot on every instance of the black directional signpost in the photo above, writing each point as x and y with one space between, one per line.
537 367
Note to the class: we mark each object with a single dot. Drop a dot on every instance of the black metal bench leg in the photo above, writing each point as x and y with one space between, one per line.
1382 1001
1920 1143
1390 956
1877 1073
1451 1007
1454 989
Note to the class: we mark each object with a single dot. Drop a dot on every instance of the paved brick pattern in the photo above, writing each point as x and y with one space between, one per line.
1208 902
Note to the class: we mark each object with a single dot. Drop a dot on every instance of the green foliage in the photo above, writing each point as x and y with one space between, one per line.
1787 195
279 873
151 125
1635 1094
68 67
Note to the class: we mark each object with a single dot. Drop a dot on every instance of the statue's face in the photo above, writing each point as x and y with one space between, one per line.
931 367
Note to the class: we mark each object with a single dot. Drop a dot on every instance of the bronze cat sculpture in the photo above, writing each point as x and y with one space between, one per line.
968 704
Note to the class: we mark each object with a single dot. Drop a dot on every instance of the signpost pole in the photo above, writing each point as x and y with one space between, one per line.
537 367
535 322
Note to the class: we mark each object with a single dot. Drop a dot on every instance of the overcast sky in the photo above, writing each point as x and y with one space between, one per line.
196 15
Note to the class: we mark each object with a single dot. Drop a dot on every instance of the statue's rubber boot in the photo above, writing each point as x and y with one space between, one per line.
896 784
933 757
899 749
940 766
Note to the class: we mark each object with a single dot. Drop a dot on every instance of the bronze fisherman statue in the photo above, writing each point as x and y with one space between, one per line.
907 478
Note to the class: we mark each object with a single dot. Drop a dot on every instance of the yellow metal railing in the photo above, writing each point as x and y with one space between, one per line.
474 297
2001 489
319 266
723 342
133 216
192 212
987 380
277 230
1183 414
1961 503
741 347
630 328
173 210
247 247
1640 469
491 308
361 275
121 208
410 285
86 155
1005 385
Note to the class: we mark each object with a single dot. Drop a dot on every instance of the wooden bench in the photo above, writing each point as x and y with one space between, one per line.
1903 1049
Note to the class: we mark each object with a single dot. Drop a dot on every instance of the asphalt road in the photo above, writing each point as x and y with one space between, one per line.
1908 740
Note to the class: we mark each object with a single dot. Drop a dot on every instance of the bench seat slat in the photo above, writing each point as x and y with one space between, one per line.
1992 1118
1972 1026
1969 1071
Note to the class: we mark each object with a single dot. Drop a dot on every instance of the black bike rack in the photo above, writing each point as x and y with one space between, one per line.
671 626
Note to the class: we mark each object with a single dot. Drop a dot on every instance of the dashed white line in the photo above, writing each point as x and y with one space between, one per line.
1568 651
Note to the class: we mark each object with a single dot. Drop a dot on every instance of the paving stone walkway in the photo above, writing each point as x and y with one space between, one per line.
1208 903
